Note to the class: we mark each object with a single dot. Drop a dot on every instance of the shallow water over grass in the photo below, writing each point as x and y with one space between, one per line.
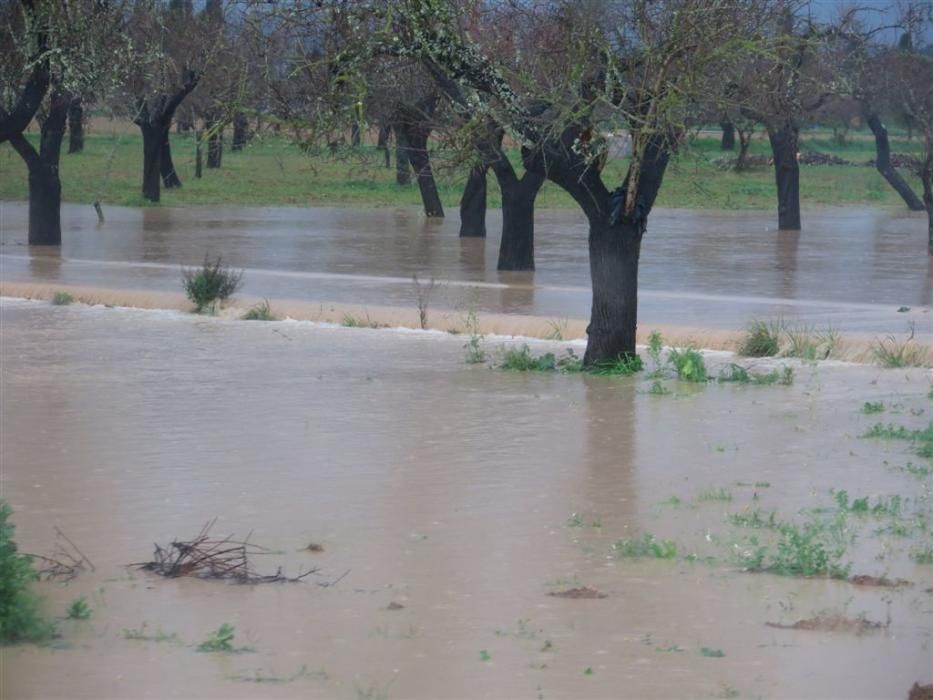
465 495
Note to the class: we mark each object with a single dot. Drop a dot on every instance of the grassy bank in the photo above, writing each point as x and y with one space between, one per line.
271 171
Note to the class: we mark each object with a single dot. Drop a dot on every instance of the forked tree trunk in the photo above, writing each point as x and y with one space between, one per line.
153 140
240 131
473 204
886 168
76 126
170 178
45 187
421 164
728 136
402 164
517 247
786 174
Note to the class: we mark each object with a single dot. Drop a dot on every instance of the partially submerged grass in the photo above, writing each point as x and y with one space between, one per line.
812 549
733 373
260 312
220 640
473 348
893 353
763 339
78 609
647 546
754 519
62 299
873 407
141 634
21 618
921 440
862 506
688 363
715 495
210 284
780 339
351 321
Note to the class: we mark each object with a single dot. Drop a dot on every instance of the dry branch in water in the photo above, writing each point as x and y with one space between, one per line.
225 559
65 563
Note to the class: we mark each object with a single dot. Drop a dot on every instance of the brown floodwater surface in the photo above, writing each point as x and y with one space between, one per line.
462 493
852 268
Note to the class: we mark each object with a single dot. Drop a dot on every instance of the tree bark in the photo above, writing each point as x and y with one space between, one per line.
886 168
473 204
383 143
153 140
728 136
926 177
240 131
198 160
355 134
45 187
517 246
402 164
421 164
170 179
215 144
745 140
786 174
76 126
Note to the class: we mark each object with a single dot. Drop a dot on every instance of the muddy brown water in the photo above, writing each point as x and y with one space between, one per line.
852 268
464 494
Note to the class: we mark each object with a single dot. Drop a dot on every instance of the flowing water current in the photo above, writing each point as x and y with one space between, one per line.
452 499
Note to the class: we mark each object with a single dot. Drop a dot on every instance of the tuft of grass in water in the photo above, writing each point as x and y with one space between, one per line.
220 639
806 343
141 635
893 353
261 312
921 471
521 360
557 329
813 549
21 619
921 440
891 506
738 374
754 519
484 655
62 299
655 346
78 609
688 363
622 366
351 321
658 389
762 339
712 653
645 547
922 554
869 407
715 495
473 348
210 284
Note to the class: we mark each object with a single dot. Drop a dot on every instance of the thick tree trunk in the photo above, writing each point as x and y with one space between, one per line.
383 144
45 187
402 163
517 247
215 146
198 160
786 174
614 253
886 168
76 126
473 205
728 136
170 178
926 177
153 138
421 164
240 131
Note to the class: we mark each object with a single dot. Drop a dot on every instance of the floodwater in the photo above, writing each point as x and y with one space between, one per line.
464 494
851 268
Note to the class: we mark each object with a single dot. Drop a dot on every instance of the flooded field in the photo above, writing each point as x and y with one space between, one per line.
850 268
456 499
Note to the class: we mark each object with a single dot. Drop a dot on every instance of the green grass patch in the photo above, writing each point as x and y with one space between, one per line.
78 609
893 353
62 299
221 640
755 519
712 653
921 440
870 407
738 374
715 495
647 546
210 284
762 339
21 619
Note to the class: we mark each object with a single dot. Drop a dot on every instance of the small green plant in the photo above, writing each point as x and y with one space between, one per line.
655 347
861 506
261 312
763 339
658 389
62 299
140 634
754 519
20 617
893 353
715 495
688 363
588 671
873 407
220 639
808 344
473 347
79 609
814 548
622 366
521 360
484 655
740 375
210 284
647 546
712 653
921 471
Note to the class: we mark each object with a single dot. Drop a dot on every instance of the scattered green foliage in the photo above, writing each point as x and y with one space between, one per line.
20 617
658 389
210 284
258 676
220 639
763 339
140 634
814 548
922 554
655 346
754 519
520 359
484 655
861 506
62 299
473 347
715 495
688 363
740 375
78 609
261 312
873 407
712 653
921 440
646 546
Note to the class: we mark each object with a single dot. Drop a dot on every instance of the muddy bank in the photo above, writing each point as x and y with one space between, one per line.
462 495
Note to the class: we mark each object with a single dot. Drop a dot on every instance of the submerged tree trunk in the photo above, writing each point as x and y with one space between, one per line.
154 138
240 131
76 126
421 164
45 187
926 177
473 204
728 136
170 178
886 168
517 247
786 174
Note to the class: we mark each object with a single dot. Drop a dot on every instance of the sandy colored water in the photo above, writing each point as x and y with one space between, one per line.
464 494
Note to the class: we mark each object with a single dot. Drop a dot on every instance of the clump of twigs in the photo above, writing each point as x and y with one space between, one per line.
64 563
423 292
217 558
